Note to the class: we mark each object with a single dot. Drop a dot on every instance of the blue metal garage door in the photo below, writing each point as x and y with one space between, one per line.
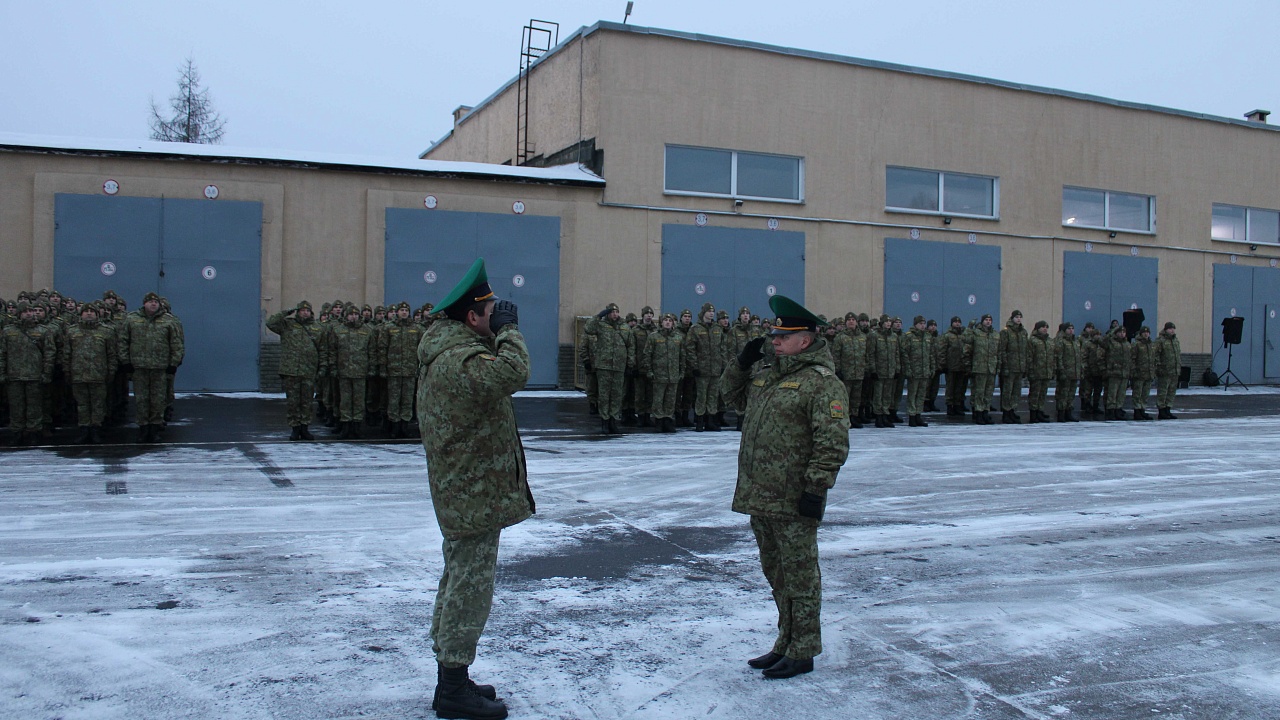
203 255
428 252
1098 288
1252 293
729 268
940 280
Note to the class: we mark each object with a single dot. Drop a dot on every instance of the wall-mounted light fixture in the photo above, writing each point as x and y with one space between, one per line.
1254 248
1111 235
946 221
737 203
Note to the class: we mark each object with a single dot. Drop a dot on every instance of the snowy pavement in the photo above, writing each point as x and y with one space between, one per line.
1094 570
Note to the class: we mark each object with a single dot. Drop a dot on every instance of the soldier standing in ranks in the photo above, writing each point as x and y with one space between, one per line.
352 352
951 361
663 367
400 350
26 365
120 405
918 368
151 350
727 356
1094 351
300 350
1039 371
935 384
856 378
1067 366
628 413
884 365
643 387
472 362
982 360
1013 366
688 389
794 441
899 380
89 356
53 327
585 351
1142 372
169 379
1118 361
704 354
1168 362
868 334
845 353
613 354
737 338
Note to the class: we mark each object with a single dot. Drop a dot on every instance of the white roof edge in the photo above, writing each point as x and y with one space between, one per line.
576 173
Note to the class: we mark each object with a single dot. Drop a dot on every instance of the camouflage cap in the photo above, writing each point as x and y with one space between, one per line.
850 316
303 304
1170 326
985 316
722 315
150 296
1066 325
863 317
744 309
612 307
631 317
686 311
1144 329
706 307
1089 324
24 305
956 319
646 310
1041 324
884 318
668 316
931 323
917 320
1014 314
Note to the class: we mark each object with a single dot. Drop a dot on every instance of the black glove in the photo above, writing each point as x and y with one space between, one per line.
751 353
126 368
602 314
697 372
291 311
586 365
812 506
504 313
840 376
873 375
172 369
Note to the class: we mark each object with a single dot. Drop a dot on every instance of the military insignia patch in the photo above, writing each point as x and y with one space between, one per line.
758 382
837 409
791 385
487 356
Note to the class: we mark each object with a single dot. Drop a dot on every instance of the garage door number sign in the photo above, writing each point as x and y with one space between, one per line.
108 268
209 272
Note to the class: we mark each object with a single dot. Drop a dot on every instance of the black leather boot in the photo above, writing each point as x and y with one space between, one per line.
604 426
297 433
921 422
86 436
788 668
766 660
699 423
458 697
306 433
713 422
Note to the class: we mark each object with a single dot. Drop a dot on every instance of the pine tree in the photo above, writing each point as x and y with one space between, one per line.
194 120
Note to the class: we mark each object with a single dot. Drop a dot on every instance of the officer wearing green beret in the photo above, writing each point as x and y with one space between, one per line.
795 438
472 361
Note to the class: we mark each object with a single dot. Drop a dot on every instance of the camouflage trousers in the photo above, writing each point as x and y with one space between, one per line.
91 403
663 400
854 388
644 395
1064 396
957 380
375 395
1038 393
593 387
917 389
1010 391
869 385
26 405
351 399
707 399
685 393
1166 389
464 598
298 392
789 559
1115 392
1097 390
1141 393
400 395
935 383
884 401
168 390
150 396
984 387
609 398
899 392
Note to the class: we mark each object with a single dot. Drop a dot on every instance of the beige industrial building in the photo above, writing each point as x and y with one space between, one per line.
652 167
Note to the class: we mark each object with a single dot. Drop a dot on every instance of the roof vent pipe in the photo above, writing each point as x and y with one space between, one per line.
460 112
1258 116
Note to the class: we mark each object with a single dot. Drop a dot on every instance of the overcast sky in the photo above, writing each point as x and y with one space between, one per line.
382 77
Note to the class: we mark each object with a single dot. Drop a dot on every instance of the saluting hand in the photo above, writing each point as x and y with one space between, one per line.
751 353
504 313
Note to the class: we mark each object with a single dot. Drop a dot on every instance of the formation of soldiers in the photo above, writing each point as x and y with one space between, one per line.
358 364
67 363
663 372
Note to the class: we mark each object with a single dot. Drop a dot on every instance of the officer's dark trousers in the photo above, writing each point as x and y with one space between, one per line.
464 598
150 390
789 559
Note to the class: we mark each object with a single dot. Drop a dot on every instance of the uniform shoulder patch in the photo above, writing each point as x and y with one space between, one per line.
487 356
790 385
823 370
758 382
837 409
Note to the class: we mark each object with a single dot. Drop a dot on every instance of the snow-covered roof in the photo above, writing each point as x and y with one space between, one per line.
575 174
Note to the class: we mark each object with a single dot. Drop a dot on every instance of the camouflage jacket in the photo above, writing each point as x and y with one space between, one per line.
886 358
475 461
856 358
950 350
1142 358
1118 357
26 353
1067 363
1040 364
1013 349
917 354
400 348
151 343
795 436
844 355
300 344
352 351
639 338
981 351
89 353
1168 356
1093 356
704 350
663 360
612 348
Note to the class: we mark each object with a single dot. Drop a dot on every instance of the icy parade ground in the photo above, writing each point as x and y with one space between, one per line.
1091 570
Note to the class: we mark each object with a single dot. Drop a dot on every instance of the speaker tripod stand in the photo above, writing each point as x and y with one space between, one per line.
1229 378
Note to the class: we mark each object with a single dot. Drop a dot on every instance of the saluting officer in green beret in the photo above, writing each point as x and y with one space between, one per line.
795 438
472 362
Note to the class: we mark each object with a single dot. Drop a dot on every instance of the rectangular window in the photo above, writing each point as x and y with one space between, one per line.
731 173
1257 226
940 193
1082 207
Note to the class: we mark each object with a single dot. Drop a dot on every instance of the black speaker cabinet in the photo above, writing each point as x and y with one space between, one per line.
1133 322
1232 330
